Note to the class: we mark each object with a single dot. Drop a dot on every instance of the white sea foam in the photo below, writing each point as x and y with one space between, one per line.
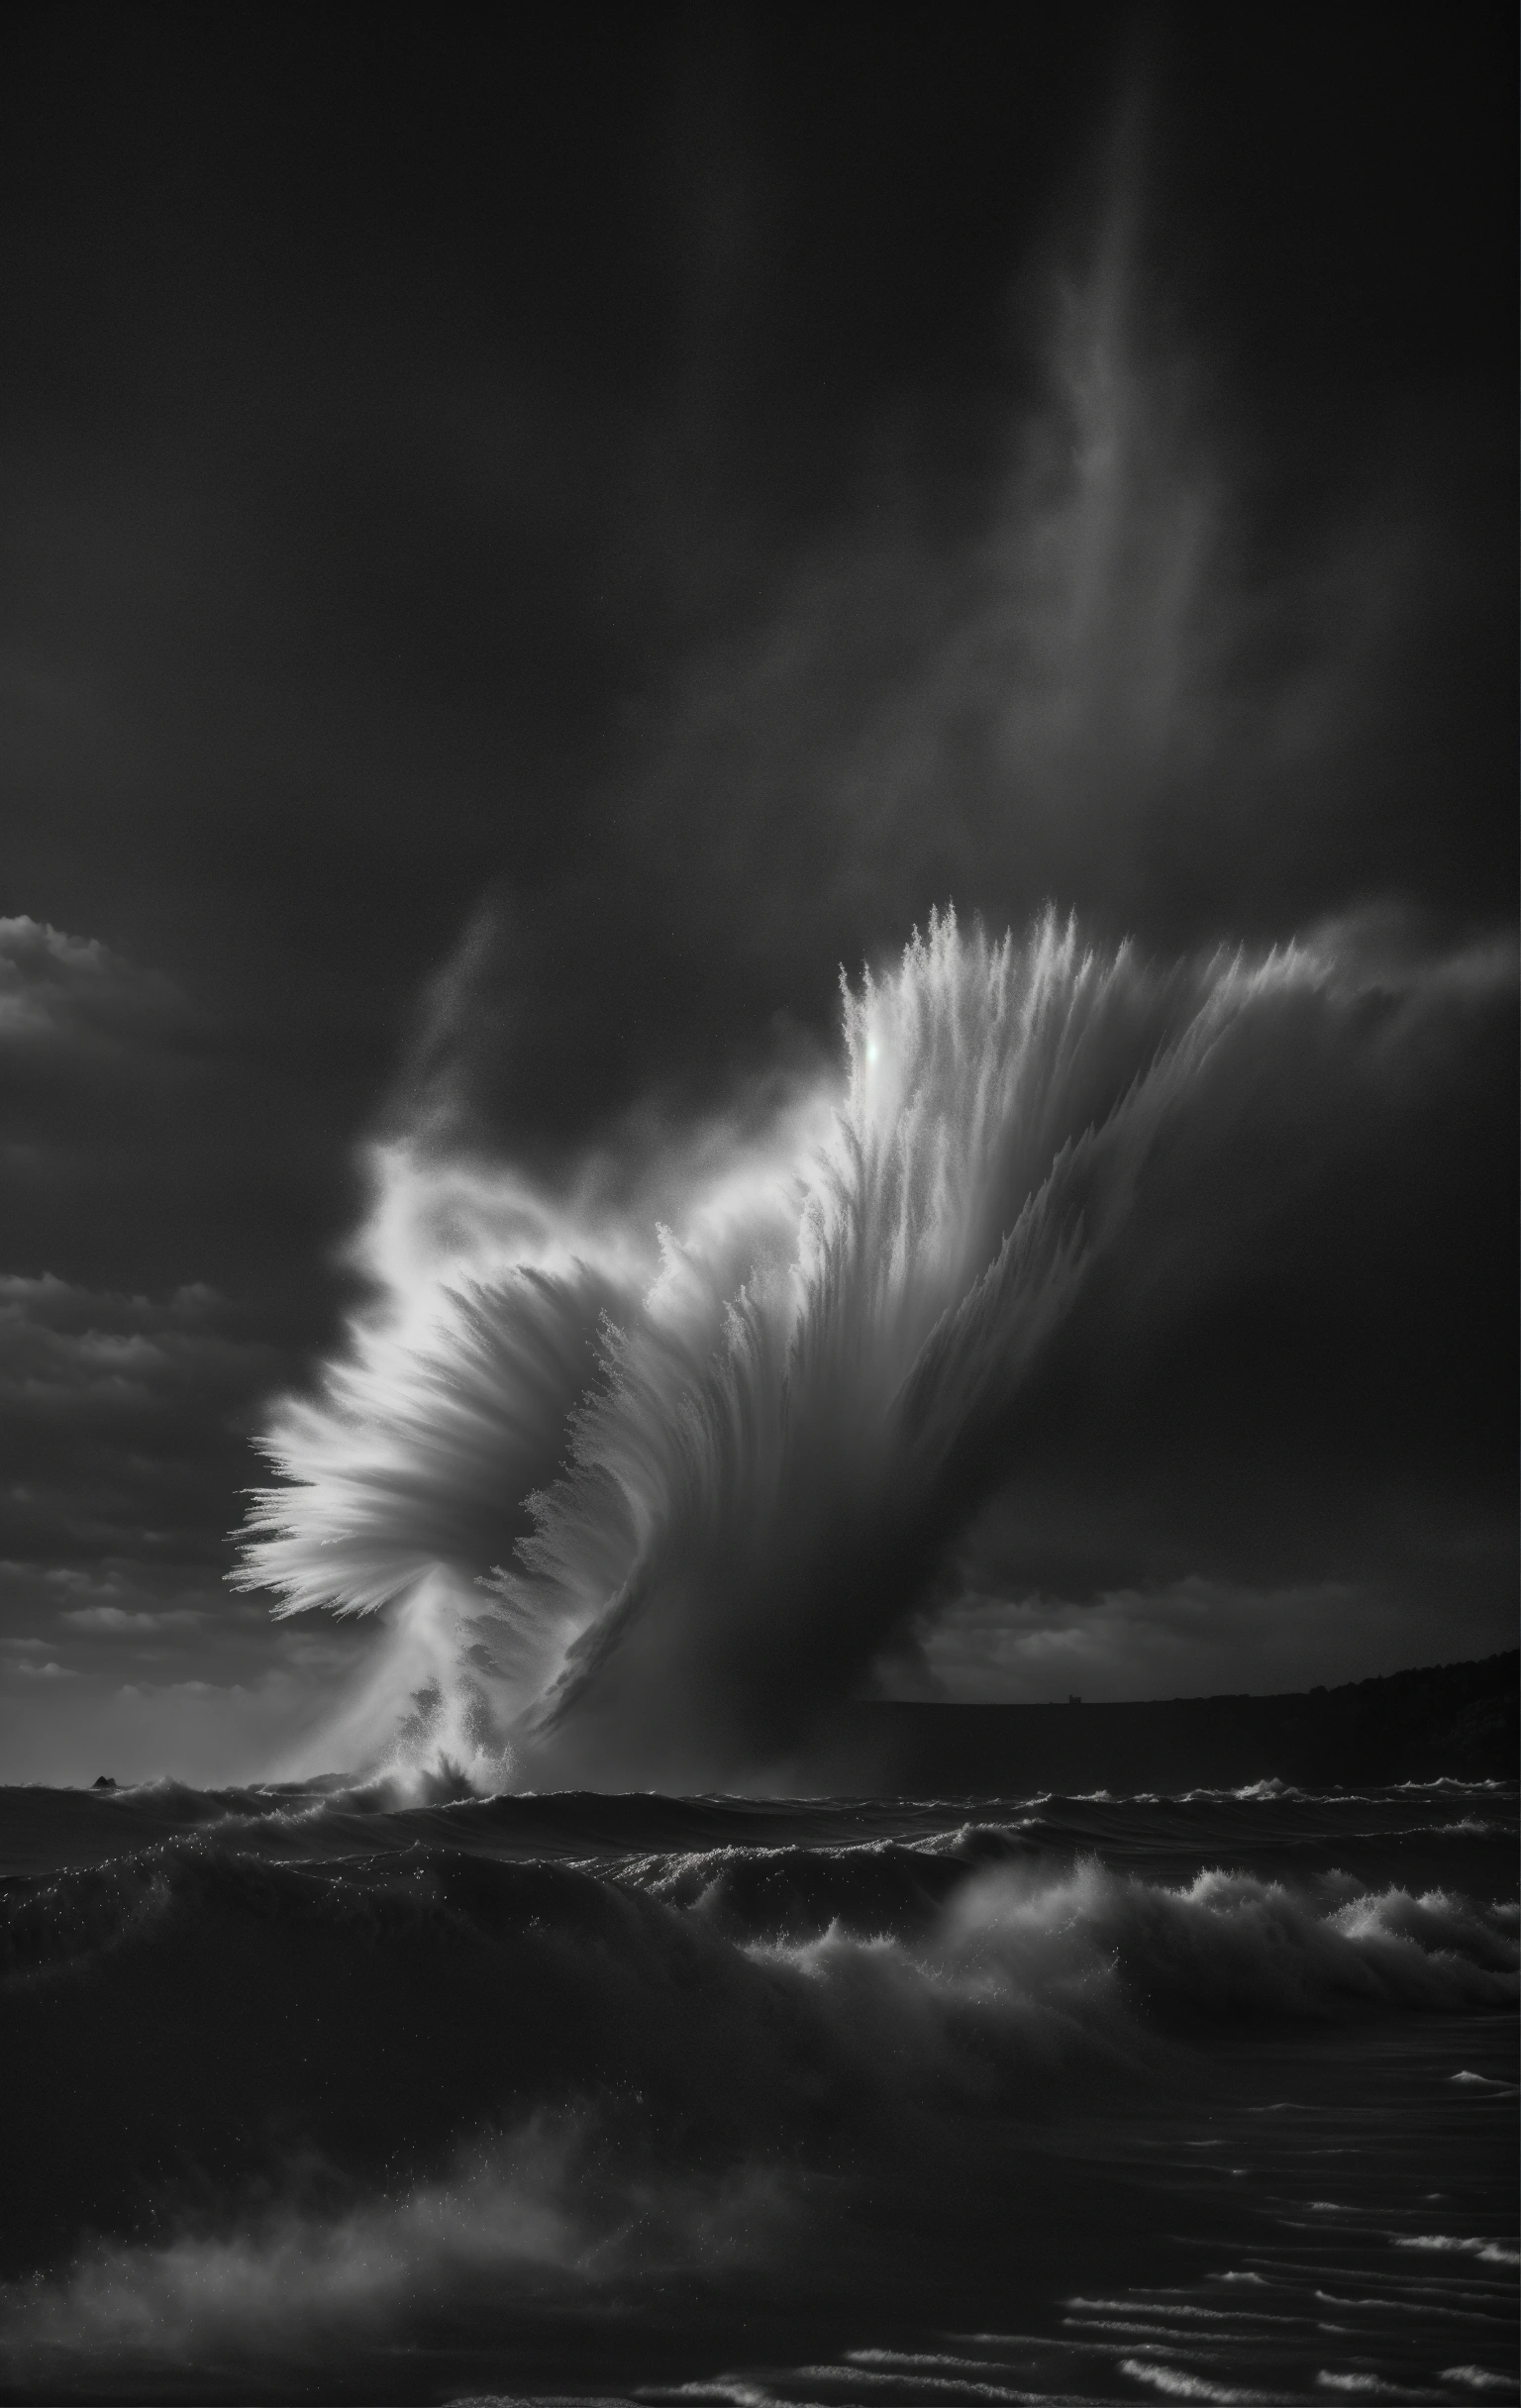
1357 2386
1493 2252
1173 2385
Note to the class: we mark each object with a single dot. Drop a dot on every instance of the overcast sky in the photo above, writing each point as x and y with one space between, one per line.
531 539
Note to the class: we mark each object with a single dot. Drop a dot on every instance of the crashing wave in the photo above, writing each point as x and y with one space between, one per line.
591 2079
645 1477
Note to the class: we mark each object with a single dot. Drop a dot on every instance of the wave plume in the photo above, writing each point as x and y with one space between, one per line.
646 1472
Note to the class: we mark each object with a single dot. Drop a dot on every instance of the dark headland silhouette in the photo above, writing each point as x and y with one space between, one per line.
1457 1720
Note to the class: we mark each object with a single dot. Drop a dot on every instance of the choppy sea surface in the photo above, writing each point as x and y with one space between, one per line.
312 2096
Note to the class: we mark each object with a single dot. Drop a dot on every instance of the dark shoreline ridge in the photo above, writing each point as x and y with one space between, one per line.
1457 1720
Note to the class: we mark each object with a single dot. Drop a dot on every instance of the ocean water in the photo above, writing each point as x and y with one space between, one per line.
313 2095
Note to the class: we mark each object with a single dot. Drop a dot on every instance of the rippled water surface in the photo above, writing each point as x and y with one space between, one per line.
311 2096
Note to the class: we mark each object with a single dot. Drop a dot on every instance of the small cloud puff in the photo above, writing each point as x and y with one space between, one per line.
116 1620
57 989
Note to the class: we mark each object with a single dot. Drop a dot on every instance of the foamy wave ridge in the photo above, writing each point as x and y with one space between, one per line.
585 2084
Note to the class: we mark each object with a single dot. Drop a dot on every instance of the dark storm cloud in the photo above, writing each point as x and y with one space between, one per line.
93 1073
121 1414
1078 635
124 1409
61 994
535 462
673 496
119 1405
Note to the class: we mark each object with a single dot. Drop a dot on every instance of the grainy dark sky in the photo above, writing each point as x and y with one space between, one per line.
562 495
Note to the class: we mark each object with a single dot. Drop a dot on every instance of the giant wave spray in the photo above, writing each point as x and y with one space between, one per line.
645 1480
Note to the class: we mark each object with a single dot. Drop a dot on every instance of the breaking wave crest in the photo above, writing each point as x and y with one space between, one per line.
590 2075
644 1474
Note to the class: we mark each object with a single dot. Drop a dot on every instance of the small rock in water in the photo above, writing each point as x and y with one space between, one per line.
103 1781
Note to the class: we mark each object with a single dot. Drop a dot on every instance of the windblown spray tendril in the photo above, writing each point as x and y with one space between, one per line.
642 1501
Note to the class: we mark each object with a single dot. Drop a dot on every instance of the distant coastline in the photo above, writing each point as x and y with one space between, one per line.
1453 1720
